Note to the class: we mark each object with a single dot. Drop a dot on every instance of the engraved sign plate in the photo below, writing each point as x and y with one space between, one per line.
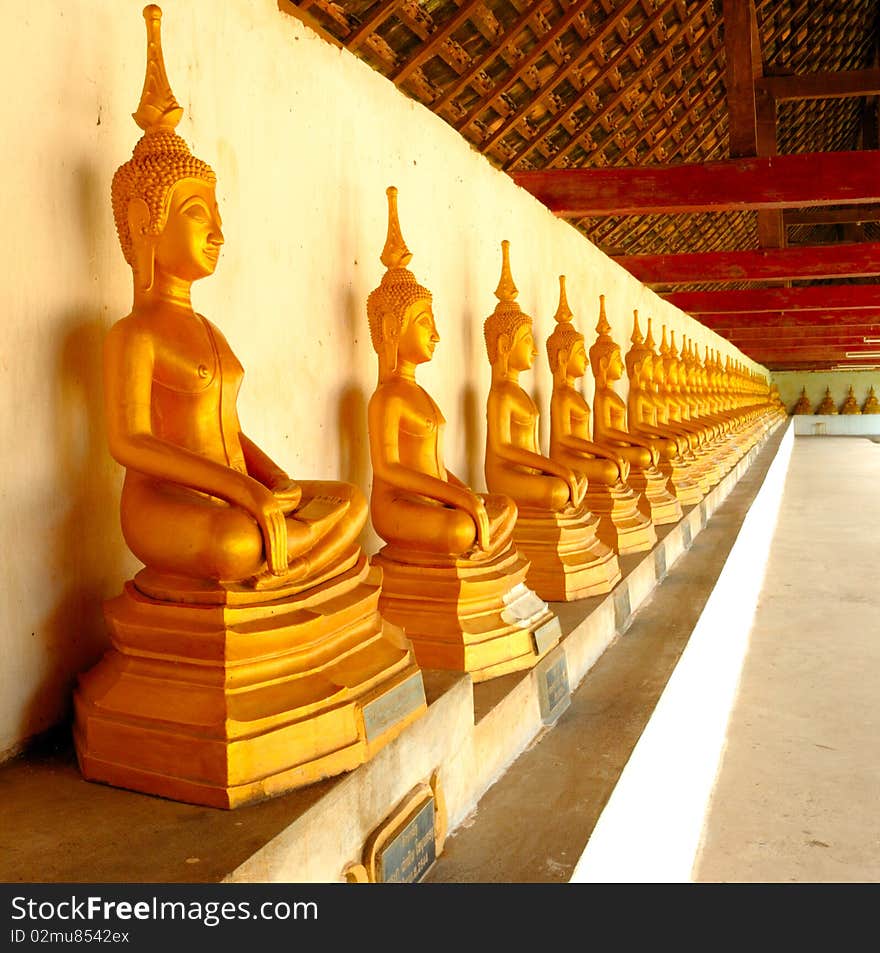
659 563
407 856
554 693
686 534
384 712
547 635
622 610
704 517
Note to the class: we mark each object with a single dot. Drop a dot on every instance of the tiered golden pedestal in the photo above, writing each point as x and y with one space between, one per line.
622 525
237 696
470 615
568 559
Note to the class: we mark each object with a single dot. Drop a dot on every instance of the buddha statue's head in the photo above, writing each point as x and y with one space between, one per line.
163 198
638 357
605 356
508 329
399 311
653 370
566 352
669 361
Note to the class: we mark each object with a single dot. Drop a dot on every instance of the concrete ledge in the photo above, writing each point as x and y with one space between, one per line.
650 828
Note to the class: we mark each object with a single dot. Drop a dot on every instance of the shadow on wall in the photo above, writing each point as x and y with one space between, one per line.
88 552
89 558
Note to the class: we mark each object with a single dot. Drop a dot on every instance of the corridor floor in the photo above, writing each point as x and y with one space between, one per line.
798 789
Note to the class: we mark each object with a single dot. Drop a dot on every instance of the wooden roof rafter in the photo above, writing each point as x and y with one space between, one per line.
558 119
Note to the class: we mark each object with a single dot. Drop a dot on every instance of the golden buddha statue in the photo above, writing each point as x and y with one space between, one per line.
248 651
644 410
872 404
676 410
621 525
555 528
803 405
849 405
827 406
610 429
452 576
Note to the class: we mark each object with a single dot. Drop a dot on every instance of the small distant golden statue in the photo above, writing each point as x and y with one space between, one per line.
247 651
850 406
803 405
826 405
872 404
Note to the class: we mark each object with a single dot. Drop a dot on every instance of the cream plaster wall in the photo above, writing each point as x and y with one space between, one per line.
790 384
304 138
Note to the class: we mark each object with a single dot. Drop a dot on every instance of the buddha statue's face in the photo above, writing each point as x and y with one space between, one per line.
418 334
189 245
615 365
659 371
577 360
648 369
522 351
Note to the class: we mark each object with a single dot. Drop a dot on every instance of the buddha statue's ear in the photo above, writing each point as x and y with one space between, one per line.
391 327
144 252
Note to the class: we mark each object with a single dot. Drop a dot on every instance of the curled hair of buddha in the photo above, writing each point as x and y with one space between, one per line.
508 317
160 158
398 289
565 335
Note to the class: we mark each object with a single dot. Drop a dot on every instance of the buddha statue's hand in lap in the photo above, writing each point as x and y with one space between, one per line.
421 509
514 464
200 500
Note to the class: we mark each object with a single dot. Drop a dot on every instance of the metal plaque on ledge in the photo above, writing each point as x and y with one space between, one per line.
686 534
547 635
406 857
384 712
554 692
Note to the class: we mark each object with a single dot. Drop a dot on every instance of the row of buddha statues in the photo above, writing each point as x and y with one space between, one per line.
828 406
260 649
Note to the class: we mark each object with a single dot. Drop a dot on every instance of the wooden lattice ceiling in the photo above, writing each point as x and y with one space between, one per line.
544 85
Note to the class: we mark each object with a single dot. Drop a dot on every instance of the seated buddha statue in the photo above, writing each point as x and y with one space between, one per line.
647 416
677 412
610 429
234 549
826 405
803 405
872 404
554 528
452 576
621 525
849 405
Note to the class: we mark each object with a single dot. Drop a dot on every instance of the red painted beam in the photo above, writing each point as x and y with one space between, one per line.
782 181
808 298
850 260
831 317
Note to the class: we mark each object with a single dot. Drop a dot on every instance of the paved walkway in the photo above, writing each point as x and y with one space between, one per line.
798 789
